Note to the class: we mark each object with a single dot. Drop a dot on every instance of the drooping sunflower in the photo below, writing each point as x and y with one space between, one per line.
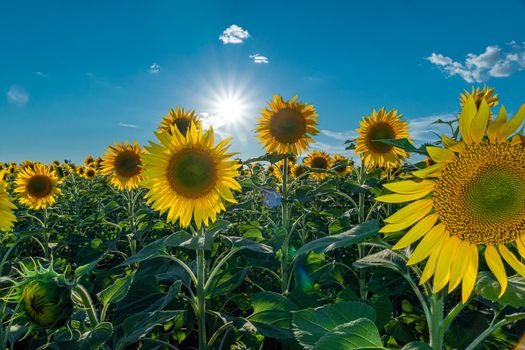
341 165
379 126
479 95
287 126
123 164
37 187
179 118
472 198
7 218
318 160
190 177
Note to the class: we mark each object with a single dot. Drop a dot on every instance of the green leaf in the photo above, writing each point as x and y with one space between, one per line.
87 268
385 258
272 315
404 144
311 324
269 157
355 235
359 334
488 287
240 243
117 291
226 282
416 345
97 337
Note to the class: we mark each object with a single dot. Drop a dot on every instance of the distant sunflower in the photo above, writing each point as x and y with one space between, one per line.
188 176
341 165
298 170
287 126
479 95
89 160
277 169
179 118
7 218
472 197
81 170
378 126
318 160
91 173
37 188
123 164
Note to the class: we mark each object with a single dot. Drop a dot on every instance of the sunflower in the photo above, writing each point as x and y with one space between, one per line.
298 170
90 173
287 126
180 118
318 160
379 126
7 218
123 164
81 170
188 176
479 95
472 197
340 164
277 169
89 160
37 188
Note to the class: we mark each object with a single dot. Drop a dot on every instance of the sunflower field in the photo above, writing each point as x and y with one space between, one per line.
178 244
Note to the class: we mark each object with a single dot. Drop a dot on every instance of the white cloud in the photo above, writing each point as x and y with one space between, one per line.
340 135
41 75
17 95
126 125
424 130
494 62
234 35
154 68
259 59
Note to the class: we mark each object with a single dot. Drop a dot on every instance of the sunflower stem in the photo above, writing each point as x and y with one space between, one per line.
436 329
46 234
201 297
361 219
88 304
285 221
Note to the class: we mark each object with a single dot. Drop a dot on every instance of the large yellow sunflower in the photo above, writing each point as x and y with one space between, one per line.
287 126
479 95
37 186
7 218
472 198
318 160
378 126
341 165
123 163
179 118
188 176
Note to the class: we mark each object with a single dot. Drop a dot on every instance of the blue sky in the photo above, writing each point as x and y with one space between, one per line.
77 75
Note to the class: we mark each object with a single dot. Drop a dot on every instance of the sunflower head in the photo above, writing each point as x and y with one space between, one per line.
179 118
298 170
479 95
472 198
43 296
37 188
190 177
287 126
91 173
89 160
341 165
123 164
381 125
81 170
318 160
7 218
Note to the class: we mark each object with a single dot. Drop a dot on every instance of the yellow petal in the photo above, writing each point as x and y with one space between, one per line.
409 220
429 171
511 259
431 240
409 210
493 128
465 119
479 123
521 245
417 231
402 198
469 277
496 266
430 266
442 273
512 125
459 265
439 154
410 186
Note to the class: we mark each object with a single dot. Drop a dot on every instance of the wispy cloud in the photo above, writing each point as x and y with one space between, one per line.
218 123
494 62
259 59
97 81
425 130
154 68
17 95
41 75
126 125
234 35
340 135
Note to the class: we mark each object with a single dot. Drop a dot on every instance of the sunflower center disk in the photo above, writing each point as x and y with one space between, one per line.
480 197
381 131
39 186
192 173
287 126
127 164
319 163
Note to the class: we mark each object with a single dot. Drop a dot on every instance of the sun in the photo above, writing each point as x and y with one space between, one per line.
230 107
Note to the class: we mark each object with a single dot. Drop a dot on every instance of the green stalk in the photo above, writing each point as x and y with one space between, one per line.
46 234
436 328
285 221
361 219
88 304
201 298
